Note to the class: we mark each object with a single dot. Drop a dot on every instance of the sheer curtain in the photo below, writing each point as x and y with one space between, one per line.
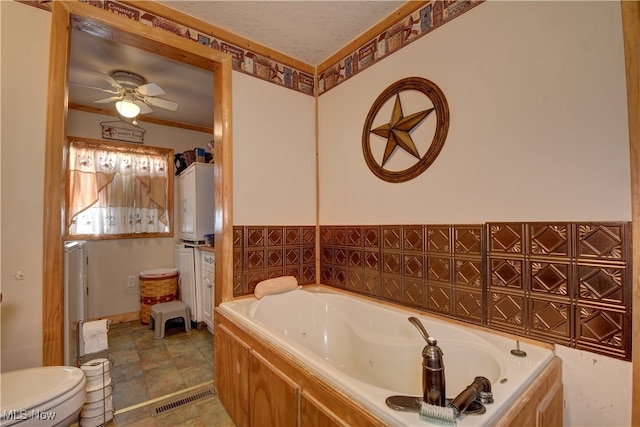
115 191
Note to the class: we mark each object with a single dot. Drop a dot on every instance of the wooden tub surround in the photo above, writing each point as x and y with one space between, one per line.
261 384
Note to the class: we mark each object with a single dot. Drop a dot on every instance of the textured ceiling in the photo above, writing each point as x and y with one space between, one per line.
309 31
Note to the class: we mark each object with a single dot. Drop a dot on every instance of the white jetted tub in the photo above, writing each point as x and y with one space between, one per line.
370 351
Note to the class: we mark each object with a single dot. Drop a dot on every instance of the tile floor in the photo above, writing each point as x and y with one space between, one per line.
145 370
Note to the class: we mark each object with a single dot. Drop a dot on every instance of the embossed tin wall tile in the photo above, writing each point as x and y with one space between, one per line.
506 273
340 277
551 320
560 282
549 239
603 330
255 237
354 236
275 236
438 239
439 270
603 283
392 288
255 259
293 256
602 241
413 238
263 252
439 299
468 305
371 284
354 280
372 260
468 240
413 265
371 237
507 312
413 292
391 237
275 257
468 273
507 238
309 236
391 263
238 237
340 236
355 258
293 236
309 256
550 278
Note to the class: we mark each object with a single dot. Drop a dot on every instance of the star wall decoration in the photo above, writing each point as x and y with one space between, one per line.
398 131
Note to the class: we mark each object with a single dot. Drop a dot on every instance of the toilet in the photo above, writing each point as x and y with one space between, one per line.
43 396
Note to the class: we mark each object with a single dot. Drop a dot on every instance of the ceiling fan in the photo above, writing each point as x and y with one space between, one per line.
132 93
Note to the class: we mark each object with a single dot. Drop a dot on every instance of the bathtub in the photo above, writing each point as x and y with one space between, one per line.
370 351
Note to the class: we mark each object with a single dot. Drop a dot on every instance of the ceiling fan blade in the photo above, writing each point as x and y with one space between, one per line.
144 108
162 103
150 89
113 82
95 88
106 100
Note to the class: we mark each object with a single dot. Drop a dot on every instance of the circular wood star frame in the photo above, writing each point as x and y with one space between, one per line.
441 108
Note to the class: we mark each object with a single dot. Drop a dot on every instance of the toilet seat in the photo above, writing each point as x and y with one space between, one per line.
56 389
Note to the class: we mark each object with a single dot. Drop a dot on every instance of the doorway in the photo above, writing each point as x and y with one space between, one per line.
66 15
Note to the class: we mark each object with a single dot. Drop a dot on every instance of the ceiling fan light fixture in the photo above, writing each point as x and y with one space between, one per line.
127 108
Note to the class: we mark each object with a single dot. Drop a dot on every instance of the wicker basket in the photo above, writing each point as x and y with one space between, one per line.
156 288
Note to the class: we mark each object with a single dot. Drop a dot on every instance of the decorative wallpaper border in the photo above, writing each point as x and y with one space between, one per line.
406 30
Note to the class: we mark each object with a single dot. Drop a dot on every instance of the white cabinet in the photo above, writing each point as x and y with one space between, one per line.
208 262
186 259
195 188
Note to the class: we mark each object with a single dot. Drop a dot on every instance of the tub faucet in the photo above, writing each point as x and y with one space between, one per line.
479 390
433 381
418 324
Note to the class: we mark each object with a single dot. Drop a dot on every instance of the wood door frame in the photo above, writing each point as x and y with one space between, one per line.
631 35
126 31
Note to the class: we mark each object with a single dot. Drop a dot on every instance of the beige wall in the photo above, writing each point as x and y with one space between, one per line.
25 61
112 261
537 96
273 154
536 92
538 132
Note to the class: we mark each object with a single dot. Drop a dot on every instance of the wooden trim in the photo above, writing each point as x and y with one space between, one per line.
121 318
141 118
223 178
53 230
402 12
631 34
317 165
154 40
217 32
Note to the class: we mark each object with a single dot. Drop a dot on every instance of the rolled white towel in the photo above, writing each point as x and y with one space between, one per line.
95 336
275 286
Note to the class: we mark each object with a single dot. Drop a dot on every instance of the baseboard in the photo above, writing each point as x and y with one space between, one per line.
121 318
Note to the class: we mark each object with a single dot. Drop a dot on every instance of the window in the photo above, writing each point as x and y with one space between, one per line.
118 190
